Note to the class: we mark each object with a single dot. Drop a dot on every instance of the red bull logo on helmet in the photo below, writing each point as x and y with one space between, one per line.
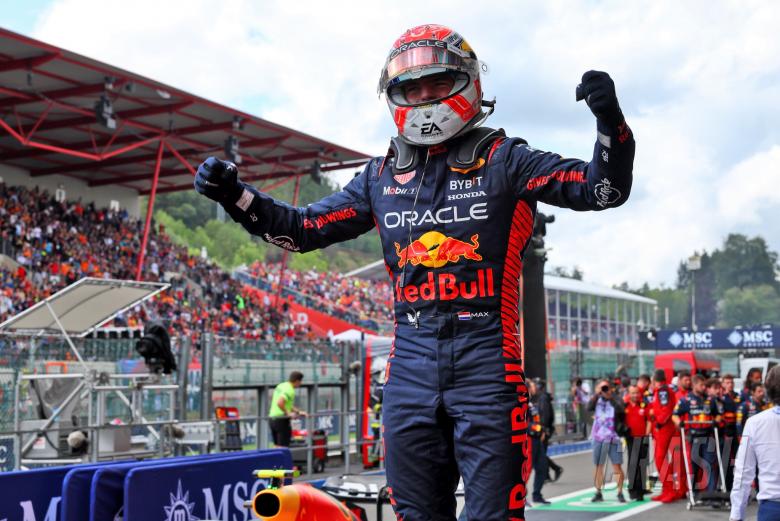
434 250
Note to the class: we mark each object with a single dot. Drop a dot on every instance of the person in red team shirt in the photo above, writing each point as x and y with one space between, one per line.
664 401
684 385
638 441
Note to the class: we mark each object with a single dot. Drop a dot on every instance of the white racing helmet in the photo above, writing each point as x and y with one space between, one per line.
424 51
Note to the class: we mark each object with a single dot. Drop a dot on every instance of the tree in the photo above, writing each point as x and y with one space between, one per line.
307 261
576 273
195 212
189 207
743 262
750 305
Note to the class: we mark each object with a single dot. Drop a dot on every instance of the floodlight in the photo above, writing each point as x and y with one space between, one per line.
231 150
104 112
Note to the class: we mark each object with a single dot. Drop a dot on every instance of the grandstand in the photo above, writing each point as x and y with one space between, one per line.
580 314
87 140
82 145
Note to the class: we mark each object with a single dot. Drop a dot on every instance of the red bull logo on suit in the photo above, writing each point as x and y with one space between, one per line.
434 250
447 286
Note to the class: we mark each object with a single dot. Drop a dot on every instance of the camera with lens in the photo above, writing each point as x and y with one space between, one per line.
155 348
604 388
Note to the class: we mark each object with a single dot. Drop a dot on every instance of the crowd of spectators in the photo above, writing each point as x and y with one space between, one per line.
57 243
353 299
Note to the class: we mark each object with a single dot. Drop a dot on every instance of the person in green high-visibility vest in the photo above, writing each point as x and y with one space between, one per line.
283 409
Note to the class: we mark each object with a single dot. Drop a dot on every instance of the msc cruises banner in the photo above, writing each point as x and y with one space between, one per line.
108 500
746 338
220 483
31 495
208 489
76 492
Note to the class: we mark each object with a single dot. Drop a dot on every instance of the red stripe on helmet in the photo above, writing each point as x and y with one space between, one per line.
400 117
423 32
461 107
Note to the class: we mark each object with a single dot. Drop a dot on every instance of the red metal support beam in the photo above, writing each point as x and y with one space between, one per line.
135 177
81 90
248 162
181 158
78 167
41 119
92 165
76 153
44 146
149 210
188 186
88 145
121 115
28 63
272 186
25 153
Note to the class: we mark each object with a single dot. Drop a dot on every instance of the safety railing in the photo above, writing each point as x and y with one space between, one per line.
158 409
172 438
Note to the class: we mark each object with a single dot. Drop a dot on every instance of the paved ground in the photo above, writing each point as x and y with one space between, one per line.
571 500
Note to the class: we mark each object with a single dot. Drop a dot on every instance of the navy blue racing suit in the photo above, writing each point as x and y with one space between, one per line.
455 401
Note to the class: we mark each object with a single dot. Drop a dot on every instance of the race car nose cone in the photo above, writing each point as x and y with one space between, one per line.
267 505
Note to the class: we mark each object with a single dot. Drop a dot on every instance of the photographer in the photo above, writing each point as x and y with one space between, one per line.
608 420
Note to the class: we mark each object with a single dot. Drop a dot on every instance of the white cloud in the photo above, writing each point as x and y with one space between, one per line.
699 82
750 187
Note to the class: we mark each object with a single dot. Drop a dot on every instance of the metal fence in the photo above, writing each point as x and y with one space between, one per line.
226 372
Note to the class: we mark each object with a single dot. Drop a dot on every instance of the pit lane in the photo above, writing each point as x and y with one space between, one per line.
570 498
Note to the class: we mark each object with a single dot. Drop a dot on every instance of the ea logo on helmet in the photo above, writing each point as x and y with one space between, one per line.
429 128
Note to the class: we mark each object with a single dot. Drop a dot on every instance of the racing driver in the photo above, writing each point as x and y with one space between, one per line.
454 204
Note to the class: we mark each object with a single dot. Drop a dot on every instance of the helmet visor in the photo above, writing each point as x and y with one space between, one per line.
422 60
406 93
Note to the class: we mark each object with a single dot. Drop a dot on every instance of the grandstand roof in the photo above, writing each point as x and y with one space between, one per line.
48 125
588 288
81 307
377 271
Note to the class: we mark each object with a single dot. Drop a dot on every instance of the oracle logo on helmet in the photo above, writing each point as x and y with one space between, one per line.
428 50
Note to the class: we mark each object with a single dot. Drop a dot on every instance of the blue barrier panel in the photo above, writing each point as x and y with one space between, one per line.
31 495
107 487
76 489
210 489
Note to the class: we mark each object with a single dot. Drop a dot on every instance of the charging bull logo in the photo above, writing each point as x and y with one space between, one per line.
434 250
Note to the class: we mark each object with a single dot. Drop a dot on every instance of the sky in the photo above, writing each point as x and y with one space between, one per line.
699 83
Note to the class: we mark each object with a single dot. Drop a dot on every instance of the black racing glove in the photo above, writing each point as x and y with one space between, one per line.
218 180
598 91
